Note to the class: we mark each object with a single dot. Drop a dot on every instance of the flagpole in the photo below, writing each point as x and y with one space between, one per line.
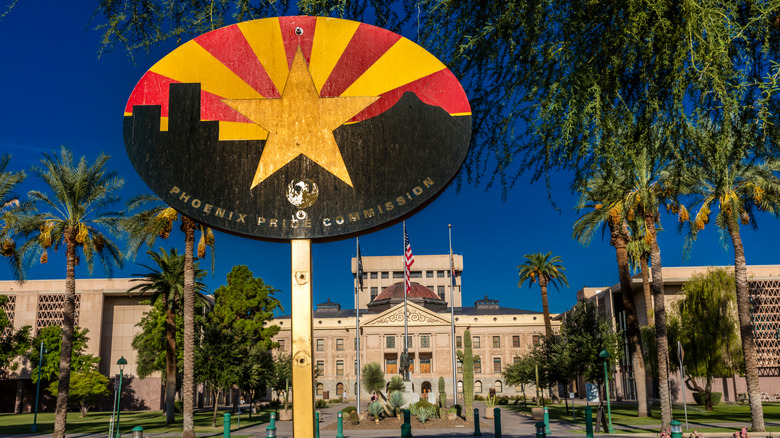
358 279
452 321
406 316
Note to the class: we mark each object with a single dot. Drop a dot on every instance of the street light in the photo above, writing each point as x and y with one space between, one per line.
121 362
34 427
605 355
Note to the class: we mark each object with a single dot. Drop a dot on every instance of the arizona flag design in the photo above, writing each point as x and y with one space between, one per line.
287 121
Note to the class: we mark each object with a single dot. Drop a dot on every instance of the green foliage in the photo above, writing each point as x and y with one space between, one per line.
373 377
396 400
9 208
424 404
375 409
51 337
348 409
12 343
319 404
282 376
425 412
704 324
396 384
700 397
466 356
587 333
544 269
150 343
85 387
521 372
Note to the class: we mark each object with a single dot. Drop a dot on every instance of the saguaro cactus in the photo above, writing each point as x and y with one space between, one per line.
467 357
442 394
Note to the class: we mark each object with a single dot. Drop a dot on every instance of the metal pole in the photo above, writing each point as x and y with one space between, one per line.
34 427
610 429
119 403
302 370
357 326
226 425
406 315
452 322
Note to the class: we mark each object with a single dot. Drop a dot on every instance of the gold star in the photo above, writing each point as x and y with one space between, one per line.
300 123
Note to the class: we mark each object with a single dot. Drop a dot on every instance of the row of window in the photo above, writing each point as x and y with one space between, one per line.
478 365
477 343
498 386
391 365
413 274
425 342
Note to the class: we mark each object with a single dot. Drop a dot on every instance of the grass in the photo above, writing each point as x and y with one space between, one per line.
624 417
151 421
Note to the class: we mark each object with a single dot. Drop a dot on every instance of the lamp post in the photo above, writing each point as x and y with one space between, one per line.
605 355
34 427
121 362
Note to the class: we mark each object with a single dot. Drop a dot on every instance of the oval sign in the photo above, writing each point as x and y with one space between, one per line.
298 128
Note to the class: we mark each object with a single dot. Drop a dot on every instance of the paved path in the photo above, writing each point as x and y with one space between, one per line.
514 424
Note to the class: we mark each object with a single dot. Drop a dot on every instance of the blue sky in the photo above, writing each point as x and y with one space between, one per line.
57 92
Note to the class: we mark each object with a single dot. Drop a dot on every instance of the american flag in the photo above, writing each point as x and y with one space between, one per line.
452 270
359 268
408 260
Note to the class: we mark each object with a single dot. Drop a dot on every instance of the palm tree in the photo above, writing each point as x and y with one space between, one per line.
77 216
543 269
373 379
9 208
156 220
725 178
602 196
166 283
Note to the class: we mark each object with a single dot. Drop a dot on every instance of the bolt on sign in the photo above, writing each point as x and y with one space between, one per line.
298 128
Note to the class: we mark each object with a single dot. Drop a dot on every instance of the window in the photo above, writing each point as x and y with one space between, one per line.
440 291
499 386
411 364
428 274
373 275
339 345
385 275
425 365
415 274
478 387
398 274
391 366
496 341
425 341
516 359
515 341
389 341
320 344
475 341
281 345
460 366
496 364
339 367
458 342
320 368
460 386
374 293
320 386
339 389
440 274
478 366
537 339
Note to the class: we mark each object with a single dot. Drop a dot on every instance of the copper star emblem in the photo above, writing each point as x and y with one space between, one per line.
300 123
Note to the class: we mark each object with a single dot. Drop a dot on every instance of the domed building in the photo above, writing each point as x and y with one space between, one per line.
499 334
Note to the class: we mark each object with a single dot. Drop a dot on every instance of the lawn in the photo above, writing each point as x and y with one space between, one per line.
96 422
624 416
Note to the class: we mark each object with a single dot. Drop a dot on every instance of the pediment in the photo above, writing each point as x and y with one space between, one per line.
417 315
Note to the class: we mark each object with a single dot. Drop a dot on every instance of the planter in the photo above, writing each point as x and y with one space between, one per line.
489 412
537 414
285 415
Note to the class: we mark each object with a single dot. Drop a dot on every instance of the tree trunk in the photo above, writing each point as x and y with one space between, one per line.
66 351
545 307
648 294
619 239
214 418
170 361
660 323
188 380
746 329
708 394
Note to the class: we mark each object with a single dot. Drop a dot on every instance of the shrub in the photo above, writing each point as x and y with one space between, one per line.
424 404
396 400
503 400
456 409
347 410
319 404
396 384
353 417
699 397
478 397
375 409
425 412
178 406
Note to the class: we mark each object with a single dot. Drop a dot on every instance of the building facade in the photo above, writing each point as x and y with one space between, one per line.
764 281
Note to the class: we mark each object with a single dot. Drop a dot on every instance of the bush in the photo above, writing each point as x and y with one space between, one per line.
456 409
396 400
478 397
178 407
503 400
353 417
423 404
347 410
425 412
319 404
375 409
699 397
